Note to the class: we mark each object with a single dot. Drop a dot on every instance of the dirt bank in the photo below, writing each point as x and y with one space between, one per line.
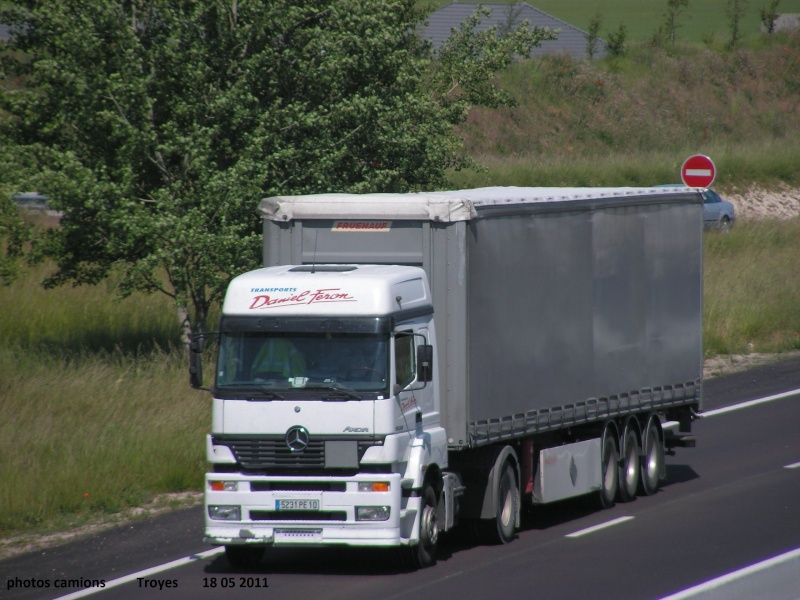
782 202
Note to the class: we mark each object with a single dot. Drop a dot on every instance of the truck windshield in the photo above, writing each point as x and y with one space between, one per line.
340 362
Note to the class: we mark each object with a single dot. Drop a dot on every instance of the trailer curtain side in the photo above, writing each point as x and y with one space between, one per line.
554 306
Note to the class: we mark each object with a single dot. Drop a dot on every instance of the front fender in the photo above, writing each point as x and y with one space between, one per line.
428 449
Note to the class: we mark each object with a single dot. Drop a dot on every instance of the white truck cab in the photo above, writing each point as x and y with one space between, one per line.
324 422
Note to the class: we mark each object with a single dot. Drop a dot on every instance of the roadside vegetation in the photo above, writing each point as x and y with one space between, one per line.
632 120
752 288
95 411
696 21
96 414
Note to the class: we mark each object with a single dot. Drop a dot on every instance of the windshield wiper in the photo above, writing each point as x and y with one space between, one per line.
268 394
337 391
264 392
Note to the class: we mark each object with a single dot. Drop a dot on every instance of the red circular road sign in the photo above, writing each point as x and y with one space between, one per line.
698 171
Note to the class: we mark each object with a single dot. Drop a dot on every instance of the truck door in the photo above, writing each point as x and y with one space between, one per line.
414 395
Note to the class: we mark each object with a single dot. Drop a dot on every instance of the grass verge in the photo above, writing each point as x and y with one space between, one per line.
752 289
94 434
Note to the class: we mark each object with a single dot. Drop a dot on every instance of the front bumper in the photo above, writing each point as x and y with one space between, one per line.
327 514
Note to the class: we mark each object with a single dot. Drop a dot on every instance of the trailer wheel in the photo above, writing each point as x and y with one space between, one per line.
607 495
244 556
424 553
630 466
652 459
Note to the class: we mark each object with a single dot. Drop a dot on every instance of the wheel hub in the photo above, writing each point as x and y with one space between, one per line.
429 531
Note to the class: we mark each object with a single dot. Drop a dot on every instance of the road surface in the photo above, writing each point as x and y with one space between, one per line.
732 502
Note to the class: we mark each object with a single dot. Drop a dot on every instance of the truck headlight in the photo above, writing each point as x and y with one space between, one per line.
372 513
225 512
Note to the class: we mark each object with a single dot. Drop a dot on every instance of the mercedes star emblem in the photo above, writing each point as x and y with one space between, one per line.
297 438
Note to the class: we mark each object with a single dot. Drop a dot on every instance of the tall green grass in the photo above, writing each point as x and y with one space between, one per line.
767 162
94 435
96 413
68 320
752 288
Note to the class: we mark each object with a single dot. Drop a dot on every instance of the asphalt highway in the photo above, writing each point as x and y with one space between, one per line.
730 503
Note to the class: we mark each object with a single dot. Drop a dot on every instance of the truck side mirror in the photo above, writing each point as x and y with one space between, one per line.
196 347
424 362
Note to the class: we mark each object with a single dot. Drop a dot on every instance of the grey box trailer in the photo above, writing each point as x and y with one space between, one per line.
555 307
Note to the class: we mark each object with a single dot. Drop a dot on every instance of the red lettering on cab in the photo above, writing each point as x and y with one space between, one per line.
305 297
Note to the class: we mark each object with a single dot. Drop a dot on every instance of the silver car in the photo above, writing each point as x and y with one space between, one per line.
717 213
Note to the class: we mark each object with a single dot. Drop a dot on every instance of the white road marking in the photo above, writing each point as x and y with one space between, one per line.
719 582
713 585
749 403
605 525
146 573
735 407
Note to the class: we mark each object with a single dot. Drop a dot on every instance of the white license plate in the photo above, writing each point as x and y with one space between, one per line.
296 504
298 536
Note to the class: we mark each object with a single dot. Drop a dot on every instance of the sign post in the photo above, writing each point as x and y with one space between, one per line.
698 171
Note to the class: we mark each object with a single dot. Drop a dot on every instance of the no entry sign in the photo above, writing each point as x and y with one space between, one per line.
698 171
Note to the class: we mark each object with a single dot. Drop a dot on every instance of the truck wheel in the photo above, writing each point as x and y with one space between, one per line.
652 459
500 530
244 556
424 553
609 475
630 466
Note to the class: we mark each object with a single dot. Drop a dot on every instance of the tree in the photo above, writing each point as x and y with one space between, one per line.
735 11
674 9
15 232
769 15
592 34
617 40
157 125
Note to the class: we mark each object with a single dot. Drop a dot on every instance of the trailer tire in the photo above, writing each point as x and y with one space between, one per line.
609 472
630 466
652 459
423 554
244 556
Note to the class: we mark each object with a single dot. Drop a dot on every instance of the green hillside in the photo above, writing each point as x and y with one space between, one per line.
702 18
633 120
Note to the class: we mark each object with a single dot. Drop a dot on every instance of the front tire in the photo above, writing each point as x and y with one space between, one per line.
424 553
